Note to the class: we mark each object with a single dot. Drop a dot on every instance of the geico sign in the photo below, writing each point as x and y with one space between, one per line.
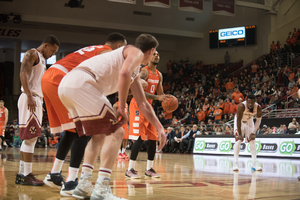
232 33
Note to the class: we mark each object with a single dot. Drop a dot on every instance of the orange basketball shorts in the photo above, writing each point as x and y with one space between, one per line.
139 125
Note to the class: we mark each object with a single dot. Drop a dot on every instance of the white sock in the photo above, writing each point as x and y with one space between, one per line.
120 151
21 167
57 165
73 173
103 173
123 150
237 147
131 164
27 168
149 164
253 152
87 170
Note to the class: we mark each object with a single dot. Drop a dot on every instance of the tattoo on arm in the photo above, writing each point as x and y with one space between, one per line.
150 96
144 74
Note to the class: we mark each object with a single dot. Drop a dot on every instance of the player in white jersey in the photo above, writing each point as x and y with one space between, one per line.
30 105
245 127
83 92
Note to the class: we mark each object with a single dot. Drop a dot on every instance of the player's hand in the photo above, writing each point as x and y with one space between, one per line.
161 138
240 137
31 103
163 97
252 136
124 117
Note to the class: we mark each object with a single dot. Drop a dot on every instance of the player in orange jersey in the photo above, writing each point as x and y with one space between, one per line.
139 125
59 117
3 122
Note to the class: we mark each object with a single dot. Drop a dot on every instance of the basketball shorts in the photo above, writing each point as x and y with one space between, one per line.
139 125
2 129
247 129
58 115
87 103
30 122
125 127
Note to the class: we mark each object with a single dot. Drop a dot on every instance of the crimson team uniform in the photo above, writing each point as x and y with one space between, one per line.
125 126
83 92
139 125
30 122
2 121
247 124
59 119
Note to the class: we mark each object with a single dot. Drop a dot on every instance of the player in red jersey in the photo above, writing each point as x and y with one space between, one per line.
59 118
139 125
3 122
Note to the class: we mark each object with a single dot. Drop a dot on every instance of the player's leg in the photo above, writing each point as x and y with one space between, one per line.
236 148
124 143
151 150
248 132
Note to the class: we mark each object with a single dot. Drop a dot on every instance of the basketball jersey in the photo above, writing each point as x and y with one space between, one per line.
126 108
2 115
247 114
75 58
37 72
106 69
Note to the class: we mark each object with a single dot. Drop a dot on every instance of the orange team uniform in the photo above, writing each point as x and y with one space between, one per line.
2 121
235 96
139 125
125 126
201 116
57 113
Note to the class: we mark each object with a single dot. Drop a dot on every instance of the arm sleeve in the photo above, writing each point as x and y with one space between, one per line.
186 135
257 123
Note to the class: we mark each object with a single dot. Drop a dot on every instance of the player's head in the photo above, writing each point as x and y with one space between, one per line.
115 40
155 58
1 103
50 46
147 44
250 101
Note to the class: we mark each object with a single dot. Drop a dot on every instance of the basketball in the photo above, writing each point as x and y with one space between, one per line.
170 104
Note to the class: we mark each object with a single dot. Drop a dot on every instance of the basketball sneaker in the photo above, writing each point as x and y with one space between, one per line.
152 173
68 188
18 178
103 191
84 188
132 174
31 180
235 166
256 167
120 156
125 156
54 180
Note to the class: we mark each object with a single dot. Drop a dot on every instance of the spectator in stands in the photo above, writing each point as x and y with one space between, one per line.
292 128
278 45
17 140
286 73
188 139
228 130
52 141
192 118
175 122
218 131
168 117
295 33
176 141
210 115
265 77
264 130
201 115
161 119
291 83
237 95
283 129
294 91
218 113
273 47
265 100
170 136
229 85
254 67
227 59
288 41
233 107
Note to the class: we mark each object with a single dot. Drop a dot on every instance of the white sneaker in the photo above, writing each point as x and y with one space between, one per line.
84 188
256 167
102 191
235 166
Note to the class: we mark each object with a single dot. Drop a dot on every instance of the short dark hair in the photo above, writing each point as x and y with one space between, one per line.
251 96
115 37
1 101
146 42
51 39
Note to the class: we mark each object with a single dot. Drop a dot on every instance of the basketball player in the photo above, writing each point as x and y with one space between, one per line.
30 105
58 115
245 127
3 122
83 91
139 125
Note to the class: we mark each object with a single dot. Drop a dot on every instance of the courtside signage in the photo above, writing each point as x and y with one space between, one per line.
232 33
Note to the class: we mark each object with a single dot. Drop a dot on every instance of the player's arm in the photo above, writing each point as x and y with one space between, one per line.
147 110
258 118
28 62
6 117
239 115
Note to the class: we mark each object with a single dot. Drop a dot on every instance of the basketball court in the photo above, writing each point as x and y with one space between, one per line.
184 176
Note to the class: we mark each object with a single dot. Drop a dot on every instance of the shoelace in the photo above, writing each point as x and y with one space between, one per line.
133 171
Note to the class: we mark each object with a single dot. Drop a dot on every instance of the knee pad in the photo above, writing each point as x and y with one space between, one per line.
28 145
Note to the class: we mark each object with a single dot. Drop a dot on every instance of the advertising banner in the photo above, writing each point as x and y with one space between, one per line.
157 3
124 1
273 147
223 7
191 5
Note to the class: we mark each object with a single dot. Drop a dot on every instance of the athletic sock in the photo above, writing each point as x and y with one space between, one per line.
103 173
87 170
21 167
237 147
57 165
27 168
149 164
73 173
253 152
131 164
123 150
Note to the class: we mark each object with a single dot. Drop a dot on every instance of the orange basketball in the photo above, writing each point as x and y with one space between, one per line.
170 104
